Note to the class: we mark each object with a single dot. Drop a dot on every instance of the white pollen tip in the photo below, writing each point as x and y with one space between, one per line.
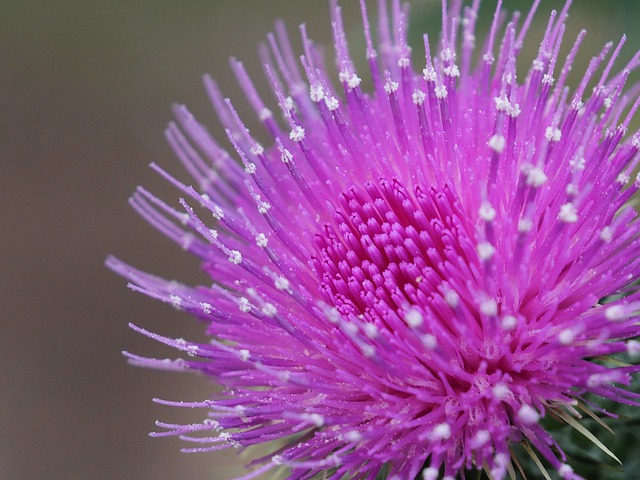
497 143
448 55
288 104
452 71
514 110
285 155
244 305
486 250
350 328
536 177
316 419
282 284
370 330
353 436
565 472
502 103
489 307
500 391
297 134
615 313
452 298
606 235
566 337
441 92
442 431
186 241
577 105
316 92
184 218
578 164
633 348
265 114
429 74
553 134
528 415
501 459
206 307
368 350
571 189
623 178
430 473
235 257
525 225
509 322
269 310
418 97
353 81
429 341
390 87
333 316
263 207
332 103
217 213
481 438
548 80
568 213
176 301
414 318
595 380
244 354
262 240
257 149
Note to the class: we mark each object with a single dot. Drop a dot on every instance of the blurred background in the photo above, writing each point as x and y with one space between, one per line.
85 94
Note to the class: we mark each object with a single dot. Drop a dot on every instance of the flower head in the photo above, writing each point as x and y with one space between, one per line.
411 276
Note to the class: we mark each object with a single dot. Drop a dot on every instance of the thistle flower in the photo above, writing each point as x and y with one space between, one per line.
411 276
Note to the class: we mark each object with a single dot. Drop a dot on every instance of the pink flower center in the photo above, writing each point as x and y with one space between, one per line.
390 251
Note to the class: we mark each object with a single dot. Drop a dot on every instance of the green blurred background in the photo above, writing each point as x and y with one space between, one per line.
85 91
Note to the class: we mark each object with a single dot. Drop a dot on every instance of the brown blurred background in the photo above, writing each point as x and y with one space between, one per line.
85 92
